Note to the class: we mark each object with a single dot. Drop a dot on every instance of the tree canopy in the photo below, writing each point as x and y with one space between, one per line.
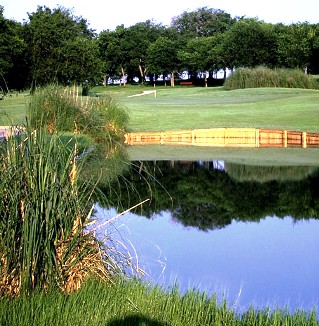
54 46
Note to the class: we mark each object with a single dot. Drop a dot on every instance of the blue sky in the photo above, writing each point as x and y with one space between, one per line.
103 14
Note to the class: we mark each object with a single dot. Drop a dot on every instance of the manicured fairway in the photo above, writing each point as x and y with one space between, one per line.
13 109
198 107
195 107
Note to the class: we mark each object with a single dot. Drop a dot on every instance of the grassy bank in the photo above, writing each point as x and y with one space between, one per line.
191 108
135 303
13 109
196 107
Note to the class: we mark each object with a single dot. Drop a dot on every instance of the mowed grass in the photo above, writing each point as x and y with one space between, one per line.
251 156
197 107
13 109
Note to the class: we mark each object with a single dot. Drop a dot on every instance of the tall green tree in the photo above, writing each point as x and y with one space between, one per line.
138 39
249 43
162 57
202 55
12 47
314 62
56 38
296 45
124 50
202 22
112 53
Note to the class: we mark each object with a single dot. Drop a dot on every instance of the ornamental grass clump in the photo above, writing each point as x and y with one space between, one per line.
265 77
101 120
44 211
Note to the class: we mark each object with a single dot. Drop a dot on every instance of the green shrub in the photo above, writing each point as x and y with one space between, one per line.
265 77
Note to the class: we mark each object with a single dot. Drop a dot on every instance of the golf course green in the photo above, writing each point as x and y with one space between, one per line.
199 107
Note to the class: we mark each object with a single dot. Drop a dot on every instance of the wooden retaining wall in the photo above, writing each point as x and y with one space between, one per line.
226 137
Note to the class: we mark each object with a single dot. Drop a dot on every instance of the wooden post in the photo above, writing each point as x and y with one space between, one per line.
285 138
193 137
257 137
304 139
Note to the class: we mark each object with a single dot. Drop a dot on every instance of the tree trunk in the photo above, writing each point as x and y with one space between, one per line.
123 76
105 79
172 79
141 72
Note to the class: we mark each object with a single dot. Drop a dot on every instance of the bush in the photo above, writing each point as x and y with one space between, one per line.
265 77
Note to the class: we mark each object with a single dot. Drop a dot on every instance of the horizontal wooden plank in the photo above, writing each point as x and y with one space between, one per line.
226 137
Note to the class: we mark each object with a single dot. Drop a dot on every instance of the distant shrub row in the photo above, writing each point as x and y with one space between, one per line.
265 77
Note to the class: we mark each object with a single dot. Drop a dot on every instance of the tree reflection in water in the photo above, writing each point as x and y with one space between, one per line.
202 195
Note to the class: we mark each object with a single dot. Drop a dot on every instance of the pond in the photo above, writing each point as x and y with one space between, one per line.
245 233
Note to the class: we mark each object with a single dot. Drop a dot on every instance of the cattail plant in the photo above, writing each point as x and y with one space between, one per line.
43 214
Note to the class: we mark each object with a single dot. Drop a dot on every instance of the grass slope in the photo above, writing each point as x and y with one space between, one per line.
194 107
198 107
135 303
13 109
252 156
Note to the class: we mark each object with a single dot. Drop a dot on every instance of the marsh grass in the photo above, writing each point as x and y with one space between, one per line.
136 303
44 211
99 121
265 77
62 109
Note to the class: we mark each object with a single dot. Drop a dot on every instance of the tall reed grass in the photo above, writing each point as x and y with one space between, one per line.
265 77
44 211
101 120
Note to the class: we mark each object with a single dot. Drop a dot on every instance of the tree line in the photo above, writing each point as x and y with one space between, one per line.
55 46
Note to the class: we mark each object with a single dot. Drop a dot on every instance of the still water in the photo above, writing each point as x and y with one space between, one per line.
247 234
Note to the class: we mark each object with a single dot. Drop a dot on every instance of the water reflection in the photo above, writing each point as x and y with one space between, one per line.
206 196
269 263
